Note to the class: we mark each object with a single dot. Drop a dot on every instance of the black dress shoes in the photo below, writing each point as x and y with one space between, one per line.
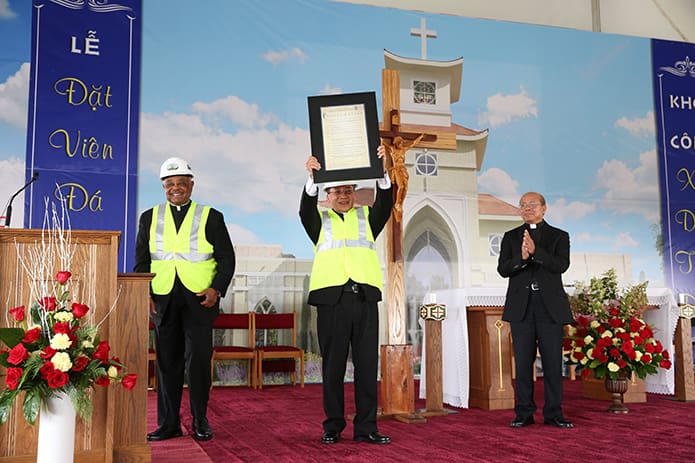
521 421
330 437
164 433
559 422
373 438
201 429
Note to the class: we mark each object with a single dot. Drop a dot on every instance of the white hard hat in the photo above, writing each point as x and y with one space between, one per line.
175 166
328 185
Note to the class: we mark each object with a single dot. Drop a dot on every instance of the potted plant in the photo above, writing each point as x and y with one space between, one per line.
610 339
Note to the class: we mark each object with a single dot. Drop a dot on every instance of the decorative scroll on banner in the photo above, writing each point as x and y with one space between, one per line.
84 97
673 65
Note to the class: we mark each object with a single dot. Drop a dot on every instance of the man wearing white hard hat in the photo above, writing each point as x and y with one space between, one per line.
345 286
188 248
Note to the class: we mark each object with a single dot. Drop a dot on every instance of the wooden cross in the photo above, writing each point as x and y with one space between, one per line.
424 34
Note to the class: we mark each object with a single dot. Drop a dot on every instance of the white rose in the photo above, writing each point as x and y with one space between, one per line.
590 353
594 324
613 367
638 355
113 372
87 344
61 361
61 341
588 339
63 316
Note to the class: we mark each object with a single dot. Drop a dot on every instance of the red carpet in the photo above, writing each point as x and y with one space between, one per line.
283 424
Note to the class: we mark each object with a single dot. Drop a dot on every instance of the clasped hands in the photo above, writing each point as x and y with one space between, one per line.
528 247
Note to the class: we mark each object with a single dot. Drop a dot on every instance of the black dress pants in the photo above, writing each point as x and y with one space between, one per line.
538 332
184 347
351 323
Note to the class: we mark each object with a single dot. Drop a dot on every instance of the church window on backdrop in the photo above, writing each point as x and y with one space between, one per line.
424 92
266 337
426 164
494 243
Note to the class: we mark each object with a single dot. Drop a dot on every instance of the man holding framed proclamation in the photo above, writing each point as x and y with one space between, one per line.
346 281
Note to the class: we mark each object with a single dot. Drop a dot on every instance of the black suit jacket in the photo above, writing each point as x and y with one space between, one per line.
545 267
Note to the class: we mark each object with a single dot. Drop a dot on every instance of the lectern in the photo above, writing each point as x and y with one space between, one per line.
118 428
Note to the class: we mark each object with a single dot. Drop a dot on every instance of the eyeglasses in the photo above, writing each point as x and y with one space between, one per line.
529 205
342 191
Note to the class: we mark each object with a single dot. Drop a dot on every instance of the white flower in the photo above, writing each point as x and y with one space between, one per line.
113 372
61 361
63 316
61 341
638 355
594 324
87 344
584 361
607 334
588 339
613 367
590 353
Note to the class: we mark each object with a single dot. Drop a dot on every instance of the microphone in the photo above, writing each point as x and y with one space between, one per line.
8 214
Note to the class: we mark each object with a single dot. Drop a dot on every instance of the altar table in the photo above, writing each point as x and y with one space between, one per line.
456 349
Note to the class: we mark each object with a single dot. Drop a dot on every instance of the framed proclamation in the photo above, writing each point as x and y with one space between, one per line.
345 136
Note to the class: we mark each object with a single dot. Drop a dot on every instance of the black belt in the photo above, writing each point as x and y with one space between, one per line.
534 286
352 288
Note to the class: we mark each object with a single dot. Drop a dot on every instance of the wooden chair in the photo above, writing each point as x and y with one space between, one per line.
279 321
151 359
236 321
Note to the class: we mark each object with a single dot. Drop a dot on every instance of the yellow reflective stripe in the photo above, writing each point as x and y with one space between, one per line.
329 243
192 255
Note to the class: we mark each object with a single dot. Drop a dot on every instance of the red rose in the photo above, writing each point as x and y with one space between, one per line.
129 381
57 379
615 322
32 335
102 352
567 344
80 363
79 310
46 370
638 340
665 354
622 363
103 381
14 376
578 355
615 353
63 277
665 364
18 354
657 346
646 358
48 303
613 311
649 348
61 328
48 352
18 313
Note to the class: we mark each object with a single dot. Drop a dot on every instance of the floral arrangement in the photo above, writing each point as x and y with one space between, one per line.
610 337
54 346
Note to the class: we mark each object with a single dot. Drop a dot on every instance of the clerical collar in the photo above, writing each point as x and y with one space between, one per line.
178 208
534 226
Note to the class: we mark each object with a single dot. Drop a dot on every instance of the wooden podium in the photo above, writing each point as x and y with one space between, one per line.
118 428
490 367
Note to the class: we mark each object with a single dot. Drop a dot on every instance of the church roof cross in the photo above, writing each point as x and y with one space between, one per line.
424 34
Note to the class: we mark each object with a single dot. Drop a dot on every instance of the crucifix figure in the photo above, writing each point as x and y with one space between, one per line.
424 34
399 172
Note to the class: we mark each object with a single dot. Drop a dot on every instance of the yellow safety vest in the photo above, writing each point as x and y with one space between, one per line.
345 250
186 252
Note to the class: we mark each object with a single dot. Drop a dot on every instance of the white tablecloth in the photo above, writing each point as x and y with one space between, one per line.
455 379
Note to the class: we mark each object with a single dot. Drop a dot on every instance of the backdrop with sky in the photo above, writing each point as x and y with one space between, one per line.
224 85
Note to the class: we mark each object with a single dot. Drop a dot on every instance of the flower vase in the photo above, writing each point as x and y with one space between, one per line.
56 430
617 387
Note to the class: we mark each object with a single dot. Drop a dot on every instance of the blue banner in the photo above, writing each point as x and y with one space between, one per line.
674 81
84 94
